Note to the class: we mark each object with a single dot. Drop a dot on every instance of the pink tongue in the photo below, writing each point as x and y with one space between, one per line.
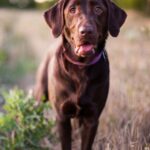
84 49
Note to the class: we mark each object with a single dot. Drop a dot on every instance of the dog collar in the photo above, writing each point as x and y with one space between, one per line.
92 62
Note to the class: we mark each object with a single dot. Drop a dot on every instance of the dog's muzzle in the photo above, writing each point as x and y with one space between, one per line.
85 50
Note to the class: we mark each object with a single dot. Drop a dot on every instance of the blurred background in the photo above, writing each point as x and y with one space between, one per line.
25 38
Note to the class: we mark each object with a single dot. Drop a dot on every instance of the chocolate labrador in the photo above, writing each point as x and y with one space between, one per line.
75 77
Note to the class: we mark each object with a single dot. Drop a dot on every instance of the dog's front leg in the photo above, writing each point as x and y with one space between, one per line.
64 128
88 134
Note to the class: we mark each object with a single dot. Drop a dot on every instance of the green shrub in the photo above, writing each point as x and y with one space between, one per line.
23 126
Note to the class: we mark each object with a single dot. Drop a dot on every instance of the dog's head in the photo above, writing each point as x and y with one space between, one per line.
85 23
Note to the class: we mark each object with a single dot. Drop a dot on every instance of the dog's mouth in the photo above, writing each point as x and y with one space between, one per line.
85 50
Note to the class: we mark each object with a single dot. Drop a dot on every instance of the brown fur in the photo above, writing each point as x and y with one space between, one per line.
75 91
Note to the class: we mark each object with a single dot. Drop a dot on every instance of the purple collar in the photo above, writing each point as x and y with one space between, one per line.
92 62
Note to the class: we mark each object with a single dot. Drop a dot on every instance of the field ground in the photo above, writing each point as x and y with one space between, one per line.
125 123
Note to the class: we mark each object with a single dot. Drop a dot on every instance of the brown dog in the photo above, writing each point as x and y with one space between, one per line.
75 77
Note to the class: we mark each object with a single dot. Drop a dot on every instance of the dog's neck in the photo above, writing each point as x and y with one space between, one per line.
68 49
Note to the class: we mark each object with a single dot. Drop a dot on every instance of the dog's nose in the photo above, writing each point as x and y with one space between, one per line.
85 30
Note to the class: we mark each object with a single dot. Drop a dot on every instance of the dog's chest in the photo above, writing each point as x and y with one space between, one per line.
81 84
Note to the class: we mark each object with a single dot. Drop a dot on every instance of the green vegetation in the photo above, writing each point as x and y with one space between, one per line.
23 126
12 73
15 60
135 4
26 3
142 5
17 3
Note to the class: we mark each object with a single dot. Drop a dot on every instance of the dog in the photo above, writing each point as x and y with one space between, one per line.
75 76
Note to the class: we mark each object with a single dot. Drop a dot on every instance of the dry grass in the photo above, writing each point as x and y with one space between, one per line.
125 123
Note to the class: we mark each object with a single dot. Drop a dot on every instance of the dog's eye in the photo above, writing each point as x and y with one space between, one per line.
72 9
98 10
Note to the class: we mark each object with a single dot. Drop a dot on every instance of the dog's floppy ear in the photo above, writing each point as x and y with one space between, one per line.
54 18
116 18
